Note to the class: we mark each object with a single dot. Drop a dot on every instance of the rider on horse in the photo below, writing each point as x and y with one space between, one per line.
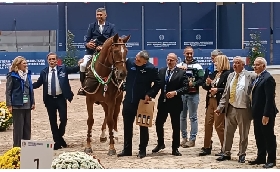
97 33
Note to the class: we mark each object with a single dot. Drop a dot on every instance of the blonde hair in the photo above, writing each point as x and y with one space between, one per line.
222 62
17 61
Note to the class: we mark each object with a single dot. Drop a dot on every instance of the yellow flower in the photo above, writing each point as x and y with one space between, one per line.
10 160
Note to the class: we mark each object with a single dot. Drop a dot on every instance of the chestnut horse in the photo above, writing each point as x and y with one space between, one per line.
104 76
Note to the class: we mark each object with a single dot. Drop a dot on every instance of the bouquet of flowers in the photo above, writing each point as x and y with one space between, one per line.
11 159
76 160
6 118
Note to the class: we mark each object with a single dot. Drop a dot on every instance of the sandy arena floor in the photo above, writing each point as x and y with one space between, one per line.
77 127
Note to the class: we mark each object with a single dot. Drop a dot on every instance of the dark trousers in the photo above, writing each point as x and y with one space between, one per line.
265 139
175 122
22 126
54 104
129 113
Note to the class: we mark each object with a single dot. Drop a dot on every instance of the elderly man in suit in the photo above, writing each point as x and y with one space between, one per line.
56 90
237 105
264 112
174 84
97 33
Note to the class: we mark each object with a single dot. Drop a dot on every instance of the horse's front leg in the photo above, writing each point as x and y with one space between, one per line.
110 123
116 115
90 122
103 137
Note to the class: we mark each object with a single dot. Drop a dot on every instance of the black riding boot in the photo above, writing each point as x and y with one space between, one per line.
82 79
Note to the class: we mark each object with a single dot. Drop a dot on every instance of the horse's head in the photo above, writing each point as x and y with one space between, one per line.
118 56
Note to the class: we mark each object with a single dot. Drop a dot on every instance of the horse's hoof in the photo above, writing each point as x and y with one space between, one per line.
103 140
88 150
112 152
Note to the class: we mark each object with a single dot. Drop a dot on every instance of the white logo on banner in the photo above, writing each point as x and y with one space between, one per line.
198 37
161 37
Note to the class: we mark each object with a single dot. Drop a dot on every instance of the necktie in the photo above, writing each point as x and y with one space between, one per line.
233 89
168 76
53 89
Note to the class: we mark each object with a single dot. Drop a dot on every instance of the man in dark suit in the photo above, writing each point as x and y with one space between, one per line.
97 33
174 83
56 90
264 111
140 76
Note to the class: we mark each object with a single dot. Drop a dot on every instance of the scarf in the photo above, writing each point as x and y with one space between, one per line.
23 75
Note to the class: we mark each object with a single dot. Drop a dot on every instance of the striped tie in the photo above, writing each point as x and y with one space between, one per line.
233 89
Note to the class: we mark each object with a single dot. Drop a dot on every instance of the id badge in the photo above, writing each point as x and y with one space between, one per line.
25 98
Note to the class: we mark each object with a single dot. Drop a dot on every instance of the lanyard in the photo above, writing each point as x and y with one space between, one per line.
167 78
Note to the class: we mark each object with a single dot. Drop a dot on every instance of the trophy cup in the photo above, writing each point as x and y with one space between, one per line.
191 79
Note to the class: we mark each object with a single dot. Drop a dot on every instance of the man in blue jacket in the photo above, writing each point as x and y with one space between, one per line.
97 33
56 90
140 76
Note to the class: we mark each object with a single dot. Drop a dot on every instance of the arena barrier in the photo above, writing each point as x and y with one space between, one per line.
37 60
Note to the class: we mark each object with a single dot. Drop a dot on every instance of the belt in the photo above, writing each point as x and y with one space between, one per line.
56 96
235 107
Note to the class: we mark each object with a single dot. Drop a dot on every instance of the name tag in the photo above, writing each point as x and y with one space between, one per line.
25 98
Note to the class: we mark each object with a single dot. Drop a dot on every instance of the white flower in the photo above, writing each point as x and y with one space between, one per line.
3 111
75 160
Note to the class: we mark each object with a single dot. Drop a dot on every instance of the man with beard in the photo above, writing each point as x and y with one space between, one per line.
190 100
97 33
140 76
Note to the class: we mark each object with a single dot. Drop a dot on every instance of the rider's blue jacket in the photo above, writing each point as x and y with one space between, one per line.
93 33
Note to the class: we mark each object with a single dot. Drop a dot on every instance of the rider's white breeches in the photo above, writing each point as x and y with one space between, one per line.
84 64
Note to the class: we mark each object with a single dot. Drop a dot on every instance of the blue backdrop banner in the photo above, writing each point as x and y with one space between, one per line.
37 60
198 24
276 34
80 15
161 28
261 25
127 22
28 17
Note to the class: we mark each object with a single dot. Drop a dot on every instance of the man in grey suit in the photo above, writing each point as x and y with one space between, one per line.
236 102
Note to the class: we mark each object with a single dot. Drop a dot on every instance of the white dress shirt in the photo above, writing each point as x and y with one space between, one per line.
240 97
57 86
101 27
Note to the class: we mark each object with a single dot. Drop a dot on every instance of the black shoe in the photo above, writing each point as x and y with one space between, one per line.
141 154
123 153
63 143
57 146
269 165
81 92
219 154
241 159
204 152
175 152
223 158
257 161
158 148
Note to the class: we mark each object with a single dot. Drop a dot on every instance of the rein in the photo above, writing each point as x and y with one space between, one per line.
113 68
